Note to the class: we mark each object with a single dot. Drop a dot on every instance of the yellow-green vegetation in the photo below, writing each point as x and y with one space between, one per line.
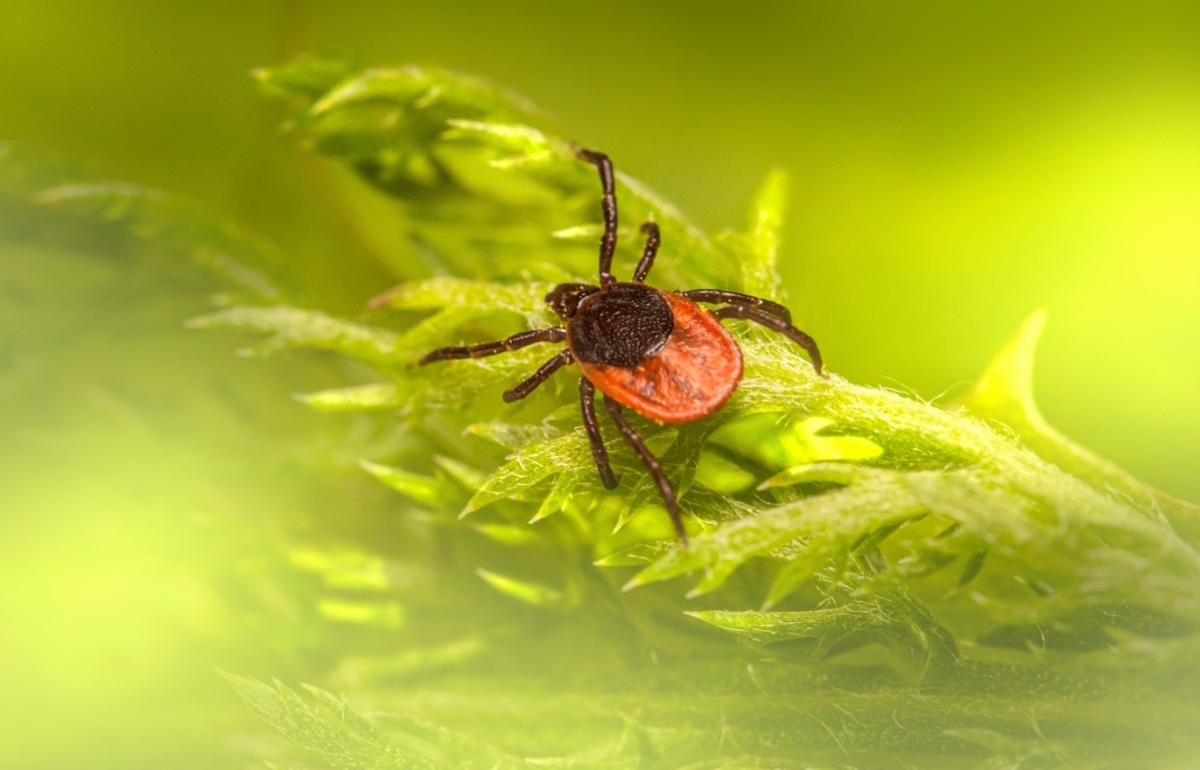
873 581
949 585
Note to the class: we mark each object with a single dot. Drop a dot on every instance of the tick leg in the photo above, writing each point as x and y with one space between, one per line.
553 334
587 403
543 373
608 205
734 298
647 262
652 465
775 323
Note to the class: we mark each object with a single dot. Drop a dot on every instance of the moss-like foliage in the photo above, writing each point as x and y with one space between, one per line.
873 581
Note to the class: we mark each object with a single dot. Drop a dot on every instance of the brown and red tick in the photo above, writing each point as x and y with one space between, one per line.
654 351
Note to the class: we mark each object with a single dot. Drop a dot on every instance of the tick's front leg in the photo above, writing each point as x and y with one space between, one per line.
515 342
608 207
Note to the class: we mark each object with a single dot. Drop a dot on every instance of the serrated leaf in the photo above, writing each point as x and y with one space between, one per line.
356 671
508 534
483 298
894 620
528 467
723 475
511 435
375 395
306 78
294 327
837 517
636 555
423 490
844 474
344 739
525 591
760 274
234 254
525 145
343 569
558 497
383 614
1004 392
464 474
428 135
420 88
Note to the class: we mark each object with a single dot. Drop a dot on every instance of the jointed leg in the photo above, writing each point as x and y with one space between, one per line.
775 323
543 373
652 465
608 205
734 298
587 403
553 334
652 241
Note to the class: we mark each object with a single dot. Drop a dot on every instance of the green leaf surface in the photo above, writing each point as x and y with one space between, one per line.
326 728
292 327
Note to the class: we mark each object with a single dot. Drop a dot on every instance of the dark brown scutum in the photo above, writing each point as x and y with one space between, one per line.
621 326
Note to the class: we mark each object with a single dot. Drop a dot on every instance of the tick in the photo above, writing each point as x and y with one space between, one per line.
656 352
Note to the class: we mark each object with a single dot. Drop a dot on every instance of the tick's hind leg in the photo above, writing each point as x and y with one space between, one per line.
647 261
652 465
775 323
543 373
515 342
587 404
734 298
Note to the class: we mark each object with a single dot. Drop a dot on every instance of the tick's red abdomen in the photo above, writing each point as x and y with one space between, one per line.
692 376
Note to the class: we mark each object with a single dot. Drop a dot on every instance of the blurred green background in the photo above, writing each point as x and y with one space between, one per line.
954 167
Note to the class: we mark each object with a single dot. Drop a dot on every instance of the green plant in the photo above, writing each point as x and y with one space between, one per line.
876 581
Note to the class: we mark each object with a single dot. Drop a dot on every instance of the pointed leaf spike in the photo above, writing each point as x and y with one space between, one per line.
1005 393
420 489
760 275
1005 390
524 591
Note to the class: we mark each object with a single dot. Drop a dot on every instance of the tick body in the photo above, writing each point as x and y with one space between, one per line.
658 353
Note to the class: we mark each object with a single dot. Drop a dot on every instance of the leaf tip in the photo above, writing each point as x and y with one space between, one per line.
198 322
1005 389
634 582
383 298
